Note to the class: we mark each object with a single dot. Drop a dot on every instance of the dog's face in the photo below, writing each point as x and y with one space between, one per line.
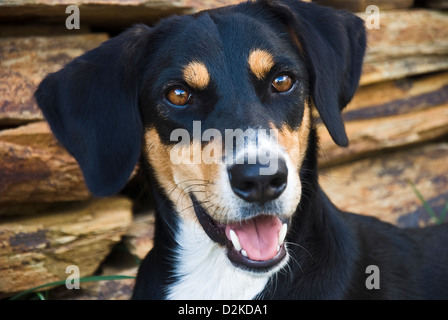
230 96
219 105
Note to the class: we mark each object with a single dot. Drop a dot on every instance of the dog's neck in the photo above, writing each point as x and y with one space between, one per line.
204 272
186 265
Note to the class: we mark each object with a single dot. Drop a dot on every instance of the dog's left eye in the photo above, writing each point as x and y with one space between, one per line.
179 97
282 83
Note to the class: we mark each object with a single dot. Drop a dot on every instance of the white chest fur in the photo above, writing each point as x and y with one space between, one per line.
203 270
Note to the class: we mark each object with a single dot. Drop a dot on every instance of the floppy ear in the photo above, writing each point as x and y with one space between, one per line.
92 108
333 44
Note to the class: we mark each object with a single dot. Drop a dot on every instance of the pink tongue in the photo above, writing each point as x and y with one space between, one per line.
258 236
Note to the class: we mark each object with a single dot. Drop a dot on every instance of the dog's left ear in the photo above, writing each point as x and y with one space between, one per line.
333 44
92 108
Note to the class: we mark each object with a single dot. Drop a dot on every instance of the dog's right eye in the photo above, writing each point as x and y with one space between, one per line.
179 97
282 83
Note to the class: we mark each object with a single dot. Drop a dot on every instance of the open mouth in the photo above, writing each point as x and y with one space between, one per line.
256 244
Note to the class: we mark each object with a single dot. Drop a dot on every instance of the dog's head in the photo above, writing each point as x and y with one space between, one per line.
219 104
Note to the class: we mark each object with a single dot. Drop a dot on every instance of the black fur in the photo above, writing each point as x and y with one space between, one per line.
333 45
99 105
93 109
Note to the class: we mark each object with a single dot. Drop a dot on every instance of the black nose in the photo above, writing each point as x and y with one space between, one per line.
249 183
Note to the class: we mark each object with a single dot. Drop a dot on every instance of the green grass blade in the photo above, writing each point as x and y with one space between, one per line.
26 292
424 202
62 282
40 296
443 214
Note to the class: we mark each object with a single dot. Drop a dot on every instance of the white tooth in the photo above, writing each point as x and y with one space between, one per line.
282 234
278 248
244 253
235 240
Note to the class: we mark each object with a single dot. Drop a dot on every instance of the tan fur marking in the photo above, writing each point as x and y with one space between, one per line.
158 155
178 180
260 63
296 142
304 131
196 75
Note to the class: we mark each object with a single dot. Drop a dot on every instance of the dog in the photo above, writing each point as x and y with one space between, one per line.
237 86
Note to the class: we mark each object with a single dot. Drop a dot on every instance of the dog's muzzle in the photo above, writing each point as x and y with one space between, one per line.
258 242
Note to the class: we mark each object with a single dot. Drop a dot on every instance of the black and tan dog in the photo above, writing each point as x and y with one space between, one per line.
218 107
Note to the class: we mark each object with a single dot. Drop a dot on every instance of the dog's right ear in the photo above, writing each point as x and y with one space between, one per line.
92 108
333 44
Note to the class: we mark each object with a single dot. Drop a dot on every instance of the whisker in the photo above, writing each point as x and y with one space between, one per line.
291 274
301 247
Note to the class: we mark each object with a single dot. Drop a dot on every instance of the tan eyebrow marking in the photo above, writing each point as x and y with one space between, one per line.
196 75
260 62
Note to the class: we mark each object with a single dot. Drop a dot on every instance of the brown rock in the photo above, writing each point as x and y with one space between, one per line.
210 4
389 115
102 290
407 43
380 186
23 64
139 237
33 30
437 4
105 13
35 168
398 97
116 264
377 71
368 137
361 5
36 250
408 33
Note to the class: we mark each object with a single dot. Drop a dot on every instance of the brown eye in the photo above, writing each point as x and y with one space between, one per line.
282 83
179 97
